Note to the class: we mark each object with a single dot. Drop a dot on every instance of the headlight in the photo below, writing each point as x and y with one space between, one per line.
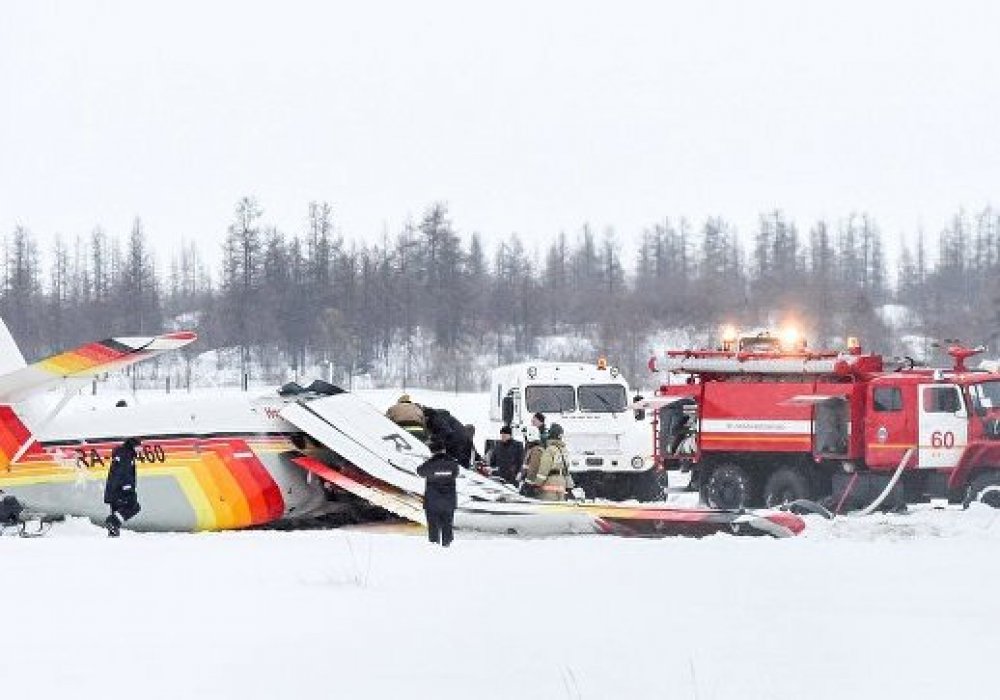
638 462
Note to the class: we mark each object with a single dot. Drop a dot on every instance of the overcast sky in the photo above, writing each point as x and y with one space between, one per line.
529 117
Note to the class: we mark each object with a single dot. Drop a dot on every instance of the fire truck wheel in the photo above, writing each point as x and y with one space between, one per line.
985 488
785 485
729 486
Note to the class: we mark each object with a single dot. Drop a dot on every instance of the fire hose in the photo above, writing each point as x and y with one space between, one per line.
892 483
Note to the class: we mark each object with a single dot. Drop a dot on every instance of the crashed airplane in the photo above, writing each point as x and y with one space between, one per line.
233 462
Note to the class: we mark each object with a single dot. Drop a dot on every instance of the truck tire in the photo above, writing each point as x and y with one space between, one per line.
728 486
985 488
785 485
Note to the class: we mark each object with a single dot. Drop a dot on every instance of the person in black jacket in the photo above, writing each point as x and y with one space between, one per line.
447 429
440 498
470 455
119 490
507 456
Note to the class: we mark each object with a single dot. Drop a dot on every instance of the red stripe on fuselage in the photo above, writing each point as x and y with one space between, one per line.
13 433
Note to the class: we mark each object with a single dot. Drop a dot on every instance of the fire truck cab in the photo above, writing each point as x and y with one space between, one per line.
759 422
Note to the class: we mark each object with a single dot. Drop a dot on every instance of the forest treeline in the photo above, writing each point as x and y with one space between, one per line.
294 299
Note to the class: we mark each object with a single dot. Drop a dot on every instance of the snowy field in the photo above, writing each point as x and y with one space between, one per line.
900 606
884 607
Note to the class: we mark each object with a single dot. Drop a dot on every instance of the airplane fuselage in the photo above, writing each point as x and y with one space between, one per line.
213 463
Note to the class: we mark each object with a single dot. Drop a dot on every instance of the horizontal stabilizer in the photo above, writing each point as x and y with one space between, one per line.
87 361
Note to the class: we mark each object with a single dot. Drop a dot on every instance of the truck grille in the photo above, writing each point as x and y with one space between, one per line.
591 442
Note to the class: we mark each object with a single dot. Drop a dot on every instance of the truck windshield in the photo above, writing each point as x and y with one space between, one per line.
541 398
602 398
985 396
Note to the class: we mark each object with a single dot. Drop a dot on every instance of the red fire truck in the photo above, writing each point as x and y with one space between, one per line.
762 421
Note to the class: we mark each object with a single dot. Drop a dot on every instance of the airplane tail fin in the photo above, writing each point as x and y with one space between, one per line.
10 355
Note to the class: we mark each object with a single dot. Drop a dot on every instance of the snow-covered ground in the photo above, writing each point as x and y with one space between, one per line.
880 607
884 607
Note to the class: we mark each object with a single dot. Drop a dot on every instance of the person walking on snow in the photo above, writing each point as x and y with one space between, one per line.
119 490
550 480
440 497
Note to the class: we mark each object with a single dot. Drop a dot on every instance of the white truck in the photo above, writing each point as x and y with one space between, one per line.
607 442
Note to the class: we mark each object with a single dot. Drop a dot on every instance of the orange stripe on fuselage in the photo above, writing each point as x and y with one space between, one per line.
228 503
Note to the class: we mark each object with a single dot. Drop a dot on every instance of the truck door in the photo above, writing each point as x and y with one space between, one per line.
831 427
677 427
943 424
890 423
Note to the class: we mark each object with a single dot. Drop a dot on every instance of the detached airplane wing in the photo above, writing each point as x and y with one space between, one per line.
87 361
363 436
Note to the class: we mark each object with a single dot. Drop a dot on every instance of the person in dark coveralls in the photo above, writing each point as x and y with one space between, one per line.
440 498
119 490
507 456
470 455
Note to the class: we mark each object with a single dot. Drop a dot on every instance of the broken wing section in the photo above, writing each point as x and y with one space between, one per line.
402 504
87 361
360 434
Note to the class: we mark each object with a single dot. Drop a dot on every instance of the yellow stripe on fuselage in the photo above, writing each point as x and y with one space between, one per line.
186 476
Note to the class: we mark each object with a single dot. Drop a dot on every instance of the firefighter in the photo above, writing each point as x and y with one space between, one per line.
549 479
409 416
532 461
119 490
507 456
440 498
